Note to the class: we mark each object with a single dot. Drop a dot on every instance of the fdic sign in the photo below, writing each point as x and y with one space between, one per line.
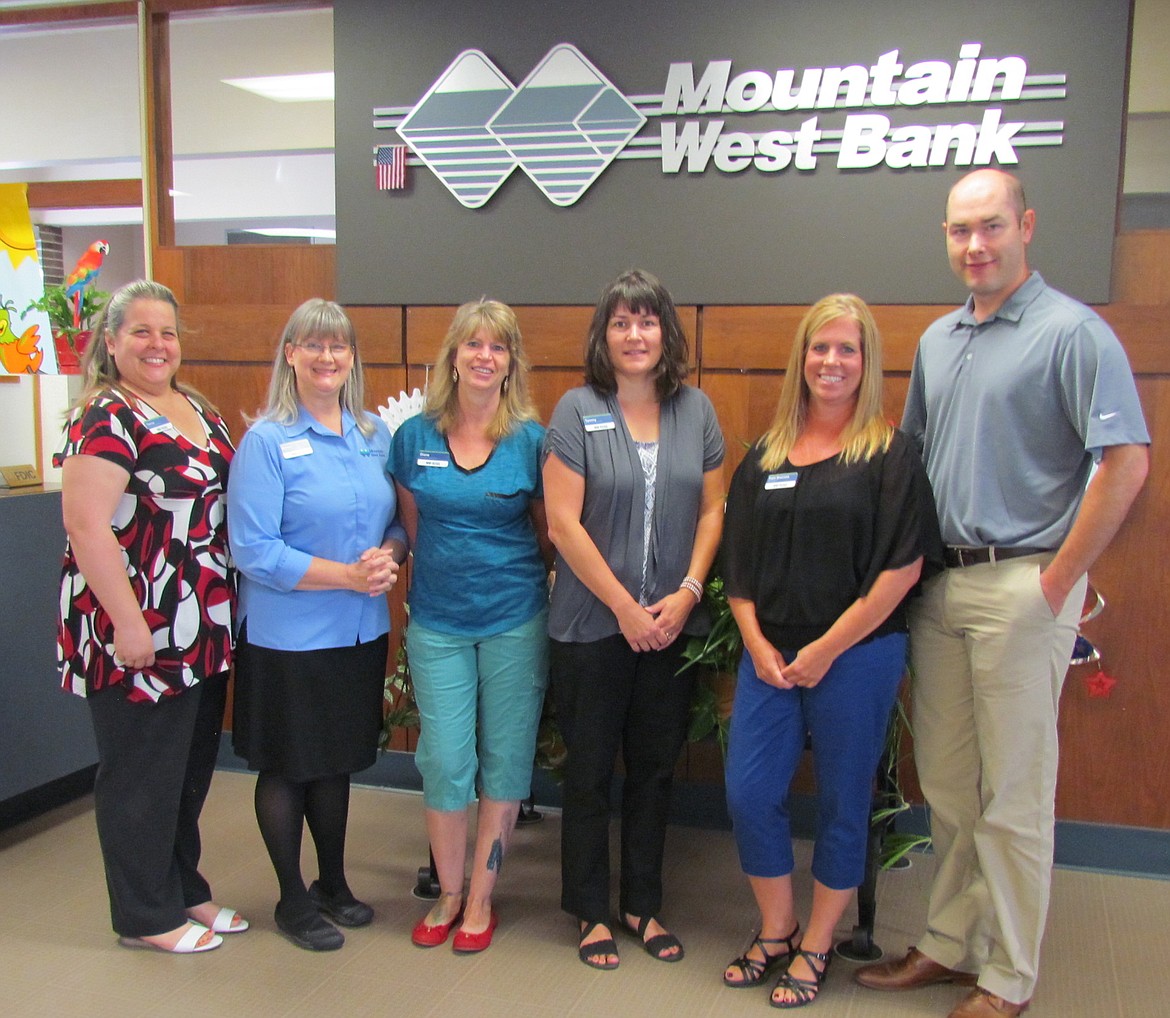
760 179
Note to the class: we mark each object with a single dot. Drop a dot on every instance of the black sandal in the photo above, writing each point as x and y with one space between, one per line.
755 971
656 946
805 991
588 953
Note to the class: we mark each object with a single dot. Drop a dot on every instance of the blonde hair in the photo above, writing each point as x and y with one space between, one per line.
499 321
316 318
98 368
869 432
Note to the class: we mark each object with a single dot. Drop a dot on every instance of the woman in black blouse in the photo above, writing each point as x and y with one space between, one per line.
829 523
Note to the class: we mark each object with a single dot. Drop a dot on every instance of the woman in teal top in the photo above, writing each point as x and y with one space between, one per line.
467 471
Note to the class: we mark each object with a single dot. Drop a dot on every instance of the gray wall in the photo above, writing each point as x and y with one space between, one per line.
749 237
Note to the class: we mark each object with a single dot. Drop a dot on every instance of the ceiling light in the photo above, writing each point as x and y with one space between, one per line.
289 88
294 231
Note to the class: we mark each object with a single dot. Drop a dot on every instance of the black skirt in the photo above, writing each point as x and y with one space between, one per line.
308 714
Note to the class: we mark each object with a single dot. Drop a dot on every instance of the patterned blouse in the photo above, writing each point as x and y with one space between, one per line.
171 524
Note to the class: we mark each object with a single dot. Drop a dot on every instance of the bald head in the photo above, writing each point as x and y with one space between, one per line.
992 184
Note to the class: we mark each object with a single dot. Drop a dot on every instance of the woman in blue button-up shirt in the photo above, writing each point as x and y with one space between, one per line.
315 535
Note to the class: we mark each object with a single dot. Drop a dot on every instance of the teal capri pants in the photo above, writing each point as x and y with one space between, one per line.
479 701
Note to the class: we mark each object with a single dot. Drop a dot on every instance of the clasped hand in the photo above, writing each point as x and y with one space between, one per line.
374 573
656 626
805 670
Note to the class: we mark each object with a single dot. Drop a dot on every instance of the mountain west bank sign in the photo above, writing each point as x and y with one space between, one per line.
737 181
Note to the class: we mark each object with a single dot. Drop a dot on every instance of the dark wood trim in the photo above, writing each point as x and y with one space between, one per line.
51 14
182 6
56 13
158 166
85 194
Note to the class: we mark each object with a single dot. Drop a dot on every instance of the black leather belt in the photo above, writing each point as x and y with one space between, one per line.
956 557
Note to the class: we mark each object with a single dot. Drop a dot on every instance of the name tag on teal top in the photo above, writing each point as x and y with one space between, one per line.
599 422
777 482
427 458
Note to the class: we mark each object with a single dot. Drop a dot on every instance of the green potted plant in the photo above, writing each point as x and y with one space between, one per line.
717 657
70 340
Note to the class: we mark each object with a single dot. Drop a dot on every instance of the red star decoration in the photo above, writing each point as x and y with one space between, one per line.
1100 685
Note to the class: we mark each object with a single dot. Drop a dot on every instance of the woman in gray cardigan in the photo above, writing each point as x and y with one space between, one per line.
634 492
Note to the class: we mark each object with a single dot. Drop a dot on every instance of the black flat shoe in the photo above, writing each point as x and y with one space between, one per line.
344 909
594 954
655 946
310 931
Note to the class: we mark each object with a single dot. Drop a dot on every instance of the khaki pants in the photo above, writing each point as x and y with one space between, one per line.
988 662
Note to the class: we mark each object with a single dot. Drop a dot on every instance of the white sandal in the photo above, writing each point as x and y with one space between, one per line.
222 923
188 943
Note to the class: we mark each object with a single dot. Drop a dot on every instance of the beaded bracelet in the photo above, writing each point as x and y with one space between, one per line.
693 585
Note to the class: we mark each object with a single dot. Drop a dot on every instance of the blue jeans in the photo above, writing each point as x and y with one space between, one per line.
846 714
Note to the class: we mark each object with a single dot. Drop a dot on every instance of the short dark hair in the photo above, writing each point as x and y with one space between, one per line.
640 292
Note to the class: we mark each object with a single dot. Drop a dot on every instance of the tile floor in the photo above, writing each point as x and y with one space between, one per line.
1108 935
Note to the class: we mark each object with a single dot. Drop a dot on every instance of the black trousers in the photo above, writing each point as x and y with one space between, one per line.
609 696
155 762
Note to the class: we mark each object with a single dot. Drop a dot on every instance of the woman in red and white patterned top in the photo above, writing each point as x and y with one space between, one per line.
146 602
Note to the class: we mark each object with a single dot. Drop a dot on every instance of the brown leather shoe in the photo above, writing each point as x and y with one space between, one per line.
910 972
981 1004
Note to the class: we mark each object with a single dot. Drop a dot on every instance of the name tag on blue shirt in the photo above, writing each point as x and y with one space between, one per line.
297 447
776 482
427 458
599 422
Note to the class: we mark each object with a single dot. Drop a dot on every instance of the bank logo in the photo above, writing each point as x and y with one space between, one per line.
563 125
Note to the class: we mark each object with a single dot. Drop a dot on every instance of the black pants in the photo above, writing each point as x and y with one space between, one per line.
155 762
609 696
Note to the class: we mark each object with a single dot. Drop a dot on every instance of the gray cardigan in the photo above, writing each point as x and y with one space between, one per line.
689 444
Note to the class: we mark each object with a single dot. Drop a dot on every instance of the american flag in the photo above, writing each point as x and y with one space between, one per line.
391 162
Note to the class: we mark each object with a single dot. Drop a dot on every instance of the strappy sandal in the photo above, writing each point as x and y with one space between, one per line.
598 949
804 991
656 946
753 970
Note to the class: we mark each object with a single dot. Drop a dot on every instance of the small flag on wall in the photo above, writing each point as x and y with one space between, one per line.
391 162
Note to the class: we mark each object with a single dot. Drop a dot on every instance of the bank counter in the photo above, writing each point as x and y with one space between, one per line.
47 751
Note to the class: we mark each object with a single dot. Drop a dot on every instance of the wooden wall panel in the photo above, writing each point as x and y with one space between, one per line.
383 383
247 273
1141 267
1114 764
236 389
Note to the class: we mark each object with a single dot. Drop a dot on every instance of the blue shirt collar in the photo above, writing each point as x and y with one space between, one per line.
307 422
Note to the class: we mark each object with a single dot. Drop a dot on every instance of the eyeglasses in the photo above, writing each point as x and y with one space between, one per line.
316 347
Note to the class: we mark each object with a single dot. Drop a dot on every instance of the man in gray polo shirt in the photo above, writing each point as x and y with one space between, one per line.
1012 399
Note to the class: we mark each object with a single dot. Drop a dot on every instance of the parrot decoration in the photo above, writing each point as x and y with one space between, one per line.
18 354
84 273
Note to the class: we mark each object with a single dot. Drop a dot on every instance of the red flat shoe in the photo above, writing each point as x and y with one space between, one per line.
432 936
470 943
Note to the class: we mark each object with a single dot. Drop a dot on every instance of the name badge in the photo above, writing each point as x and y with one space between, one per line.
159 426
777 482
297 447
599 422
428 458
